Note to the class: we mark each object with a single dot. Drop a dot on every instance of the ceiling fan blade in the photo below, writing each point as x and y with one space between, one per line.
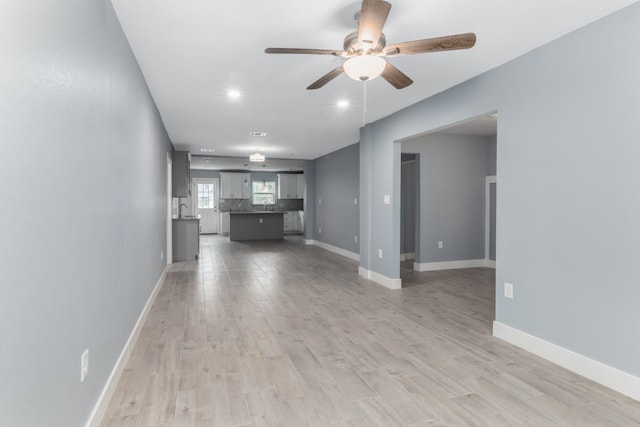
326 78
298 51
373 15
397 78
437 44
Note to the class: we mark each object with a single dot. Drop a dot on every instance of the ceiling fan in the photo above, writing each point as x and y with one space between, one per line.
365 49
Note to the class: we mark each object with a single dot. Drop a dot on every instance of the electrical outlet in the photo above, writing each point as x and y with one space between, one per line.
355 239
161 255
380 253
319 200
440 244
84 365
355 201
387 199
508 290
319 230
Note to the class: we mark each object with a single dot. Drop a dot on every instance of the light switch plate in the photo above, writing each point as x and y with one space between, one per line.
84 365
508 290
387 199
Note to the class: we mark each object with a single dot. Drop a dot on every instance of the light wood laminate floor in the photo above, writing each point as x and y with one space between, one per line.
282 334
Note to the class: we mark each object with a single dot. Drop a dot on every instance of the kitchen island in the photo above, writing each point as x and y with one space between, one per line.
261 225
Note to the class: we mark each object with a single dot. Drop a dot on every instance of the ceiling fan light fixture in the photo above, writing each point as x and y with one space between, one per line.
257 157
364 67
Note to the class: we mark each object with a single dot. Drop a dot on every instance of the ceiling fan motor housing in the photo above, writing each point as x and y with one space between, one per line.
351 47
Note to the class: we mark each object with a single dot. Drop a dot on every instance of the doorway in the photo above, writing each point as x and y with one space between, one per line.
206 193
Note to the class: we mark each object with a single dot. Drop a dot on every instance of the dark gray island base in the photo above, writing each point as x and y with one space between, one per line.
255 225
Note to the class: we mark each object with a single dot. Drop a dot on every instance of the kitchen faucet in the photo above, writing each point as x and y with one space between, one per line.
180 209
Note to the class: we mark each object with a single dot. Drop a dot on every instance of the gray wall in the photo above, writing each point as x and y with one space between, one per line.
309 199
567 158
452 198
83 183
408 204
336 187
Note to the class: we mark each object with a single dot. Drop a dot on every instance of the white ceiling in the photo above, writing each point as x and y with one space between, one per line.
192 52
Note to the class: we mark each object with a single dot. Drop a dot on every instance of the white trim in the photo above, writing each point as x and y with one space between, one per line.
351 255
606 375
385 281
169 227
450 265
100 409
488 180
490 263
309 242
408 255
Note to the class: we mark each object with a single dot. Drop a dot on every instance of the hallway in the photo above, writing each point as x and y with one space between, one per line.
282 334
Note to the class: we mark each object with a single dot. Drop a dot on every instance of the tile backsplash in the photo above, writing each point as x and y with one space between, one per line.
244 205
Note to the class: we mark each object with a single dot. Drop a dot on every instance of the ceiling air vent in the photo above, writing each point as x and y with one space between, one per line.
258 133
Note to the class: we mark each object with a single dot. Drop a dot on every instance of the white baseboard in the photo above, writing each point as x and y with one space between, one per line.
407 256
606 375
99 410
351 255
449 265
385 281
309 242
490 263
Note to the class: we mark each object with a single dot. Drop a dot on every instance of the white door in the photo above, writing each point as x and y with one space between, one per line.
205 193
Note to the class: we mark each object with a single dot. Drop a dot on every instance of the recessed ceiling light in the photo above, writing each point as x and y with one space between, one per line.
234 94
207 150
343 103
255 133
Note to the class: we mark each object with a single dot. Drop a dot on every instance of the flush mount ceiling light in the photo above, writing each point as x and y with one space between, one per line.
234 94
364 67
342 103
257 157
255 133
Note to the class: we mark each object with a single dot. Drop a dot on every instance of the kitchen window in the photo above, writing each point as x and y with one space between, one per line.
205 196
264 192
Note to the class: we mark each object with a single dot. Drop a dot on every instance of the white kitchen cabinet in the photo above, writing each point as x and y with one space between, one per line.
224 223
290 186
300 186
235 185
300 223
290 221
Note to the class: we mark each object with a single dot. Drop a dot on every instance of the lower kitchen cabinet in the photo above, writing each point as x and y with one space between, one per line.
224 223
186 239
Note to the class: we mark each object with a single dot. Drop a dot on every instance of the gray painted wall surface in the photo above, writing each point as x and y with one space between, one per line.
492 155
336 187
408 205
309 199
566 110
452 199
83 183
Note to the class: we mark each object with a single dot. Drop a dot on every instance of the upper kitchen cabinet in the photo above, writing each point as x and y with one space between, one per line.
235 185
181 174
300 185
290 186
